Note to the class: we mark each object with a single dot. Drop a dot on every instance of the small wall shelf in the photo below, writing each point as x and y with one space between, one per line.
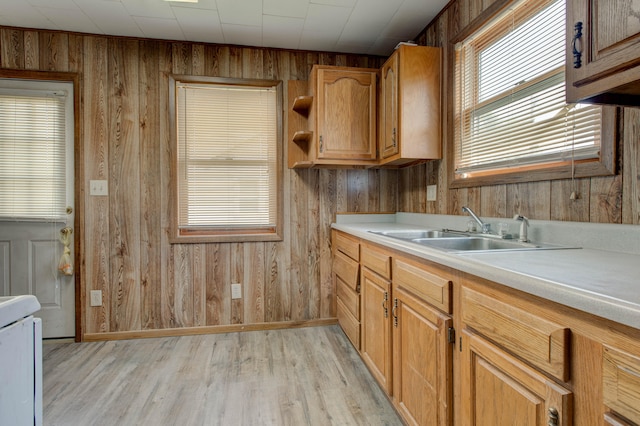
302 136
302 104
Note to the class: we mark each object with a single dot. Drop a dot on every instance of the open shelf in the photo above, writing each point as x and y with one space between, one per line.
302 136
302 165
302 104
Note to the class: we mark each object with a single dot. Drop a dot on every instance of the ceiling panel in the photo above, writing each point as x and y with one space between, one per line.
355 26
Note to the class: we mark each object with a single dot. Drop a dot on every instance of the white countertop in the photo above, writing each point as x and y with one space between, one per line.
601 282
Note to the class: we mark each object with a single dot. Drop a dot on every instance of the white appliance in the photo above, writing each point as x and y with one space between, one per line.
20 361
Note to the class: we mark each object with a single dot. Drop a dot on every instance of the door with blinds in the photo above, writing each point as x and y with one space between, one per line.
36 198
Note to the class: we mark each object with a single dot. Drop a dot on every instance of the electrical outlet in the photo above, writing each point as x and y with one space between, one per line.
96 297
432 190
98 187
236 291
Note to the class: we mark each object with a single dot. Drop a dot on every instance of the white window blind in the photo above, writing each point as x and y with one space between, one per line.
227 156
32 155
510 94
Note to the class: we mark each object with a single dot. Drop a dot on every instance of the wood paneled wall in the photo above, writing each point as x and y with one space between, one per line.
147 283
614 199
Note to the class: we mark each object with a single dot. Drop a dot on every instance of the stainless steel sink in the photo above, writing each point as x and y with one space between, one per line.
476 244
418 234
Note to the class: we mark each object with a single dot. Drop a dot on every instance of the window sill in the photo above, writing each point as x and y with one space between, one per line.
199 237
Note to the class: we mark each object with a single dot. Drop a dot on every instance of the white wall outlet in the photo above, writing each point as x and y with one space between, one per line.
236 291
98 187
432 190
96 297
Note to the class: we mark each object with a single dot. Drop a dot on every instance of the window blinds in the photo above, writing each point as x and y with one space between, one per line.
510 94
227 156
32 155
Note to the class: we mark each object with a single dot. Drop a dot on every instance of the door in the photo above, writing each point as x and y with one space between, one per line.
389 108
36 198
376 327
422 357
346 114
497 389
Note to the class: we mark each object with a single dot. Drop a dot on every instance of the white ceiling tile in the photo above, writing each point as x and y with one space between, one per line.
201 4
359 26
343 3
290 8
376 12
148 8
199 25
60 4
70 19
167 29
359 31
318 40
111 17
383 46
329 19
19 14
282 32
351 47
242 34
245 12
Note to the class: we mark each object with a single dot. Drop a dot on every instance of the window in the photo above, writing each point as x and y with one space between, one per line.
511 118
228 151
36 149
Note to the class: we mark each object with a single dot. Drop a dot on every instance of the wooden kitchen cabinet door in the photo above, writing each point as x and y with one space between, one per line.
422 361
375 340
410 106
605 65
498 389
345 112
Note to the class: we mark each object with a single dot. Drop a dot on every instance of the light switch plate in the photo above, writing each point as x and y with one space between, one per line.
432 190
98 187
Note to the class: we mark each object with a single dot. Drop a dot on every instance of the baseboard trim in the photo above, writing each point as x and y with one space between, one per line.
210 329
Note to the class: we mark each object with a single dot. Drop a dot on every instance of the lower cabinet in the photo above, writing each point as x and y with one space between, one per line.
498 389
516 359
376 327
422 370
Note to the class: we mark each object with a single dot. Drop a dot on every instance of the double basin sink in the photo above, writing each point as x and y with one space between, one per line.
463 242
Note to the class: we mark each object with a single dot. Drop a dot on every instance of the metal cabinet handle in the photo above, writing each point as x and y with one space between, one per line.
576 45
553 417
384 304
393 137
321 144
394 312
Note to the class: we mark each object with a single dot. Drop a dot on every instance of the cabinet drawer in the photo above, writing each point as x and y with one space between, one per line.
621 383
534 339
349 297
347 269
349 324
377 261
347 246
432 288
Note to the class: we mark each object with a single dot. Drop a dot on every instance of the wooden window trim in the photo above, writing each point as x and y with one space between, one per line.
605 165
221 234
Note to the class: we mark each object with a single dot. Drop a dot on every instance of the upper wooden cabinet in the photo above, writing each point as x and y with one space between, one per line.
333 118
410 107
345 112
603 51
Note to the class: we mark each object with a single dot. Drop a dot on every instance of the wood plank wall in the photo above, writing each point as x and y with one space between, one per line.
613 199
147 283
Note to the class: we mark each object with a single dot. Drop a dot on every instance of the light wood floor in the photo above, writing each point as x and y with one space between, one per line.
304 376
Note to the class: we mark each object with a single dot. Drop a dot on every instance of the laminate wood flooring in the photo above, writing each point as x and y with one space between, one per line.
302 376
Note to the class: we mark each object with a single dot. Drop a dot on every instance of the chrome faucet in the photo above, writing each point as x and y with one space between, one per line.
485 227
524 224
